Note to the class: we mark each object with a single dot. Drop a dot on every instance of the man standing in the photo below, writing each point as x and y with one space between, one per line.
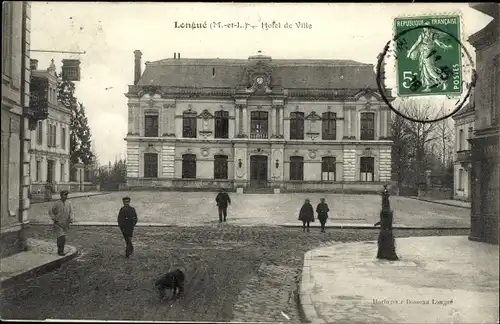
127 219
61 214
322 210
223 201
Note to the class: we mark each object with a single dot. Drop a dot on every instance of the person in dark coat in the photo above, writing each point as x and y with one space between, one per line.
386 242
127 219
322 210
306 215
223 201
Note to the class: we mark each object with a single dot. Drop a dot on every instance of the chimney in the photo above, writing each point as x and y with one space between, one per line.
137 66
33 64
175 55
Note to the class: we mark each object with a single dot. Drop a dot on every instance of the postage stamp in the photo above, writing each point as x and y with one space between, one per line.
428 55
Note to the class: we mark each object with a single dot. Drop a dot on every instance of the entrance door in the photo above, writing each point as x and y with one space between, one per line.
50 171
258 171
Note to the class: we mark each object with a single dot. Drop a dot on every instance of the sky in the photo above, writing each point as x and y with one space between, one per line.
110 32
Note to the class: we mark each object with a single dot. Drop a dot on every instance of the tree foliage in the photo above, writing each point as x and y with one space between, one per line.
110 176
80 136
418 147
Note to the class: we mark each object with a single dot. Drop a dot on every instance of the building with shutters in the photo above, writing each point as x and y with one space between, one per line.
50 141
297 125
485 157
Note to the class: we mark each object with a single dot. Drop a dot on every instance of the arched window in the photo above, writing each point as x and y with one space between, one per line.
367 126
296 168
328 168
220 167
297 125
150 165
222 124
367 168
189 120
329 126
189 166
258 124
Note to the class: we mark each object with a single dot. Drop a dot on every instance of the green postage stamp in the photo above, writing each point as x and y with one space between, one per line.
428 55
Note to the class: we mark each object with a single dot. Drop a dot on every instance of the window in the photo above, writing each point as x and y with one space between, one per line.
63 138
470 132
367 126
461 179
39 133
150 165
221 124
258 124
296 168
189 166
7 38
297 125
62 173
329 126
328 168
38 171
54 135
51 135
460 139
189 125
367 169
150 126
220 167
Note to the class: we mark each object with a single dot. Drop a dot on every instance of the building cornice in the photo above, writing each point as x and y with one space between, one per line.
136 92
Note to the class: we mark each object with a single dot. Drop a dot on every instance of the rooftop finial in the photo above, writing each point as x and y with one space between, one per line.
52 66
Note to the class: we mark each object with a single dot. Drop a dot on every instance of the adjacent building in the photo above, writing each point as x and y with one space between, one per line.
485 170
50 141
17 117
257 123
464 128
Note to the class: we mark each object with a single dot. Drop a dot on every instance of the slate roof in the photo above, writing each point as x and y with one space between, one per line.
231 73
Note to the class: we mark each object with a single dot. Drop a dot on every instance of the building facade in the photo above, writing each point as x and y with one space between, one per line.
464 128
50 141
485 170
296 125
15 125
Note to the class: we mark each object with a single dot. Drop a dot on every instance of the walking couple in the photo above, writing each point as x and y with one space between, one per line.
306 214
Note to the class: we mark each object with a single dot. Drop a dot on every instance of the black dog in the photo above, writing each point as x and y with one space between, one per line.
173 280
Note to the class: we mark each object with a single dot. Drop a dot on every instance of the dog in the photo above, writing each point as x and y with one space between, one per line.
172 280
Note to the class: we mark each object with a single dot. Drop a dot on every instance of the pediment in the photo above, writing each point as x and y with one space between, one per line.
367 95
205 114
313 116
150 91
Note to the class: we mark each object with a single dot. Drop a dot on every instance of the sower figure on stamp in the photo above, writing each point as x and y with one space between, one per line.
322 210
222 201
306 214
386 242
61 214
127 219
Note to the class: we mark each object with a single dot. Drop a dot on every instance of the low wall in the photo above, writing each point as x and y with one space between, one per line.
436 193
232 185
39 188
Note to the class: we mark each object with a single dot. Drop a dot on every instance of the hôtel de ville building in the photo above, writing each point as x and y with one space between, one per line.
296 125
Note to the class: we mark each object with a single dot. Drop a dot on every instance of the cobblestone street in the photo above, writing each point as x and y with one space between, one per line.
233 273
198 208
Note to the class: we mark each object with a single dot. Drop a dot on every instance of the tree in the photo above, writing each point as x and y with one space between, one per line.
80 137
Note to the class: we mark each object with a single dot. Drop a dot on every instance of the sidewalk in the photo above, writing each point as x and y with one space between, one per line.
437 280
40 258
72 195
448 202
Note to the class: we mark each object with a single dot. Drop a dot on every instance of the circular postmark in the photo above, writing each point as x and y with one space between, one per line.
433 74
